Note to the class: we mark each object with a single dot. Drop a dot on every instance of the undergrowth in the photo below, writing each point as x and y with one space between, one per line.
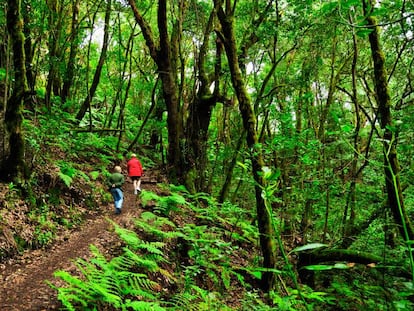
67 169
186 253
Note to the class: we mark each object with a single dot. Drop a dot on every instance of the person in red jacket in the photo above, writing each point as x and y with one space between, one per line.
134 168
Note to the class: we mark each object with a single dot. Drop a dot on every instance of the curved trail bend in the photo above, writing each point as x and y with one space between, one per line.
22 283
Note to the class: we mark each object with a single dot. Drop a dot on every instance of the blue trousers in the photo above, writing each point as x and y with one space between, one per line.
118 197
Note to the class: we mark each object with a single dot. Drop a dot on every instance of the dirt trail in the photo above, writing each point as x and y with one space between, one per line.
22 282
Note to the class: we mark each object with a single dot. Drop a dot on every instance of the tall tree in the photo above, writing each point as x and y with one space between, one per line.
28 45
267 243
200 109
97 76
391 164
56 20
161 53
74 45
14 167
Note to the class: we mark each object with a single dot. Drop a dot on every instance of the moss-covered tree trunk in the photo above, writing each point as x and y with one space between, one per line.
28 46
391 165
13 167
267 242
161 53
200 111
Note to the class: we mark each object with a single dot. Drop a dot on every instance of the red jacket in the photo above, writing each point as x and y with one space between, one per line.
134 167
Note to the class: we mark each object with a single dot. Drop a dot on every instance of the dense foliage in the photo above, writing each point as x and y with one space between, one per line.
287 123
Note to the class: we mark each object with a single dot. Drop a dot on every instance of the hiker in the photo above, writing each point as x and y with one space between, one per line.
115 182
135 171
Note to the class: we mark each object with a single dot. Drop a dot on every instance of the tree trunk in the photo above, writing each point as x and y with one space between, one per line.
28 47
162 56
200 110
229 171
74 44
170 90
97 76
55 30
391 164
350 207
266 231
122 78
14 167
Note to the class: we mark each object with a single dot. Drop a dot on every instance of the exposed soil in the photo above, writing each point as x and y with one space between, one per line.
23 283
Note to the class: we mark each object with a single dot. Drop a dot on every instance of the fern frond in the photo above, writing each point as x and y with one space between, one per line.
240 278
148 216
164 204
183 301
144 306
156 225
179 188
107 293
68 278
128 236
98 258
78 291
168 275
152 247
147 196
66 179
141 286
149 265
225 277
123 263
157 220
70 301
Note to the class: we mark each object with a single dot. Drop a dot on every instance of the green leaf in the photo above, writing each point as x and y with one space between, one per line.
2 74
329 7
347 128
66 179
256 274
94 175
340 266
391 128
364 32
319 267
267 172
242 165
308 247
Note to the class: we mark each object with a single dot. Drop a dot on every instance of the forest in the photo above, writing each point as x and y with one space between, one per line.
276 138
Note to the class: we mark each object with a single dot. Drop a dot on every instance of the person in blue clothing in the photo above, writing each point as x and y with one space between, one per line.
115 182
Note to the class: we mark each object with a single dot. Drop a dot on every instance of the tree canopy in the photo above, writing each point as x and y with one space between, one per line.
299 112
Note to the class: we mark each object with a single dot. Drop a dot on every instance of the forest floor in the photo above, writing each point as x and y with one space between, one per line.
23 283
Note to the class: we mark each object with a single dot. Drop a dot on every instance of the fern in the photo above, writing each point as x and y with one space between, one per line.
141 262
143 306
130 280
155 225
129 237
138 282
225 276
135 243
66 179
164 204
95 174
109 282
183 301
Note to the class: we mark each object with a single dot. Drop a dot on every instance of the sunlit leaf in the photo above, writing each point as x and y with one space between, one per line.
319 267
341 266
308 247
